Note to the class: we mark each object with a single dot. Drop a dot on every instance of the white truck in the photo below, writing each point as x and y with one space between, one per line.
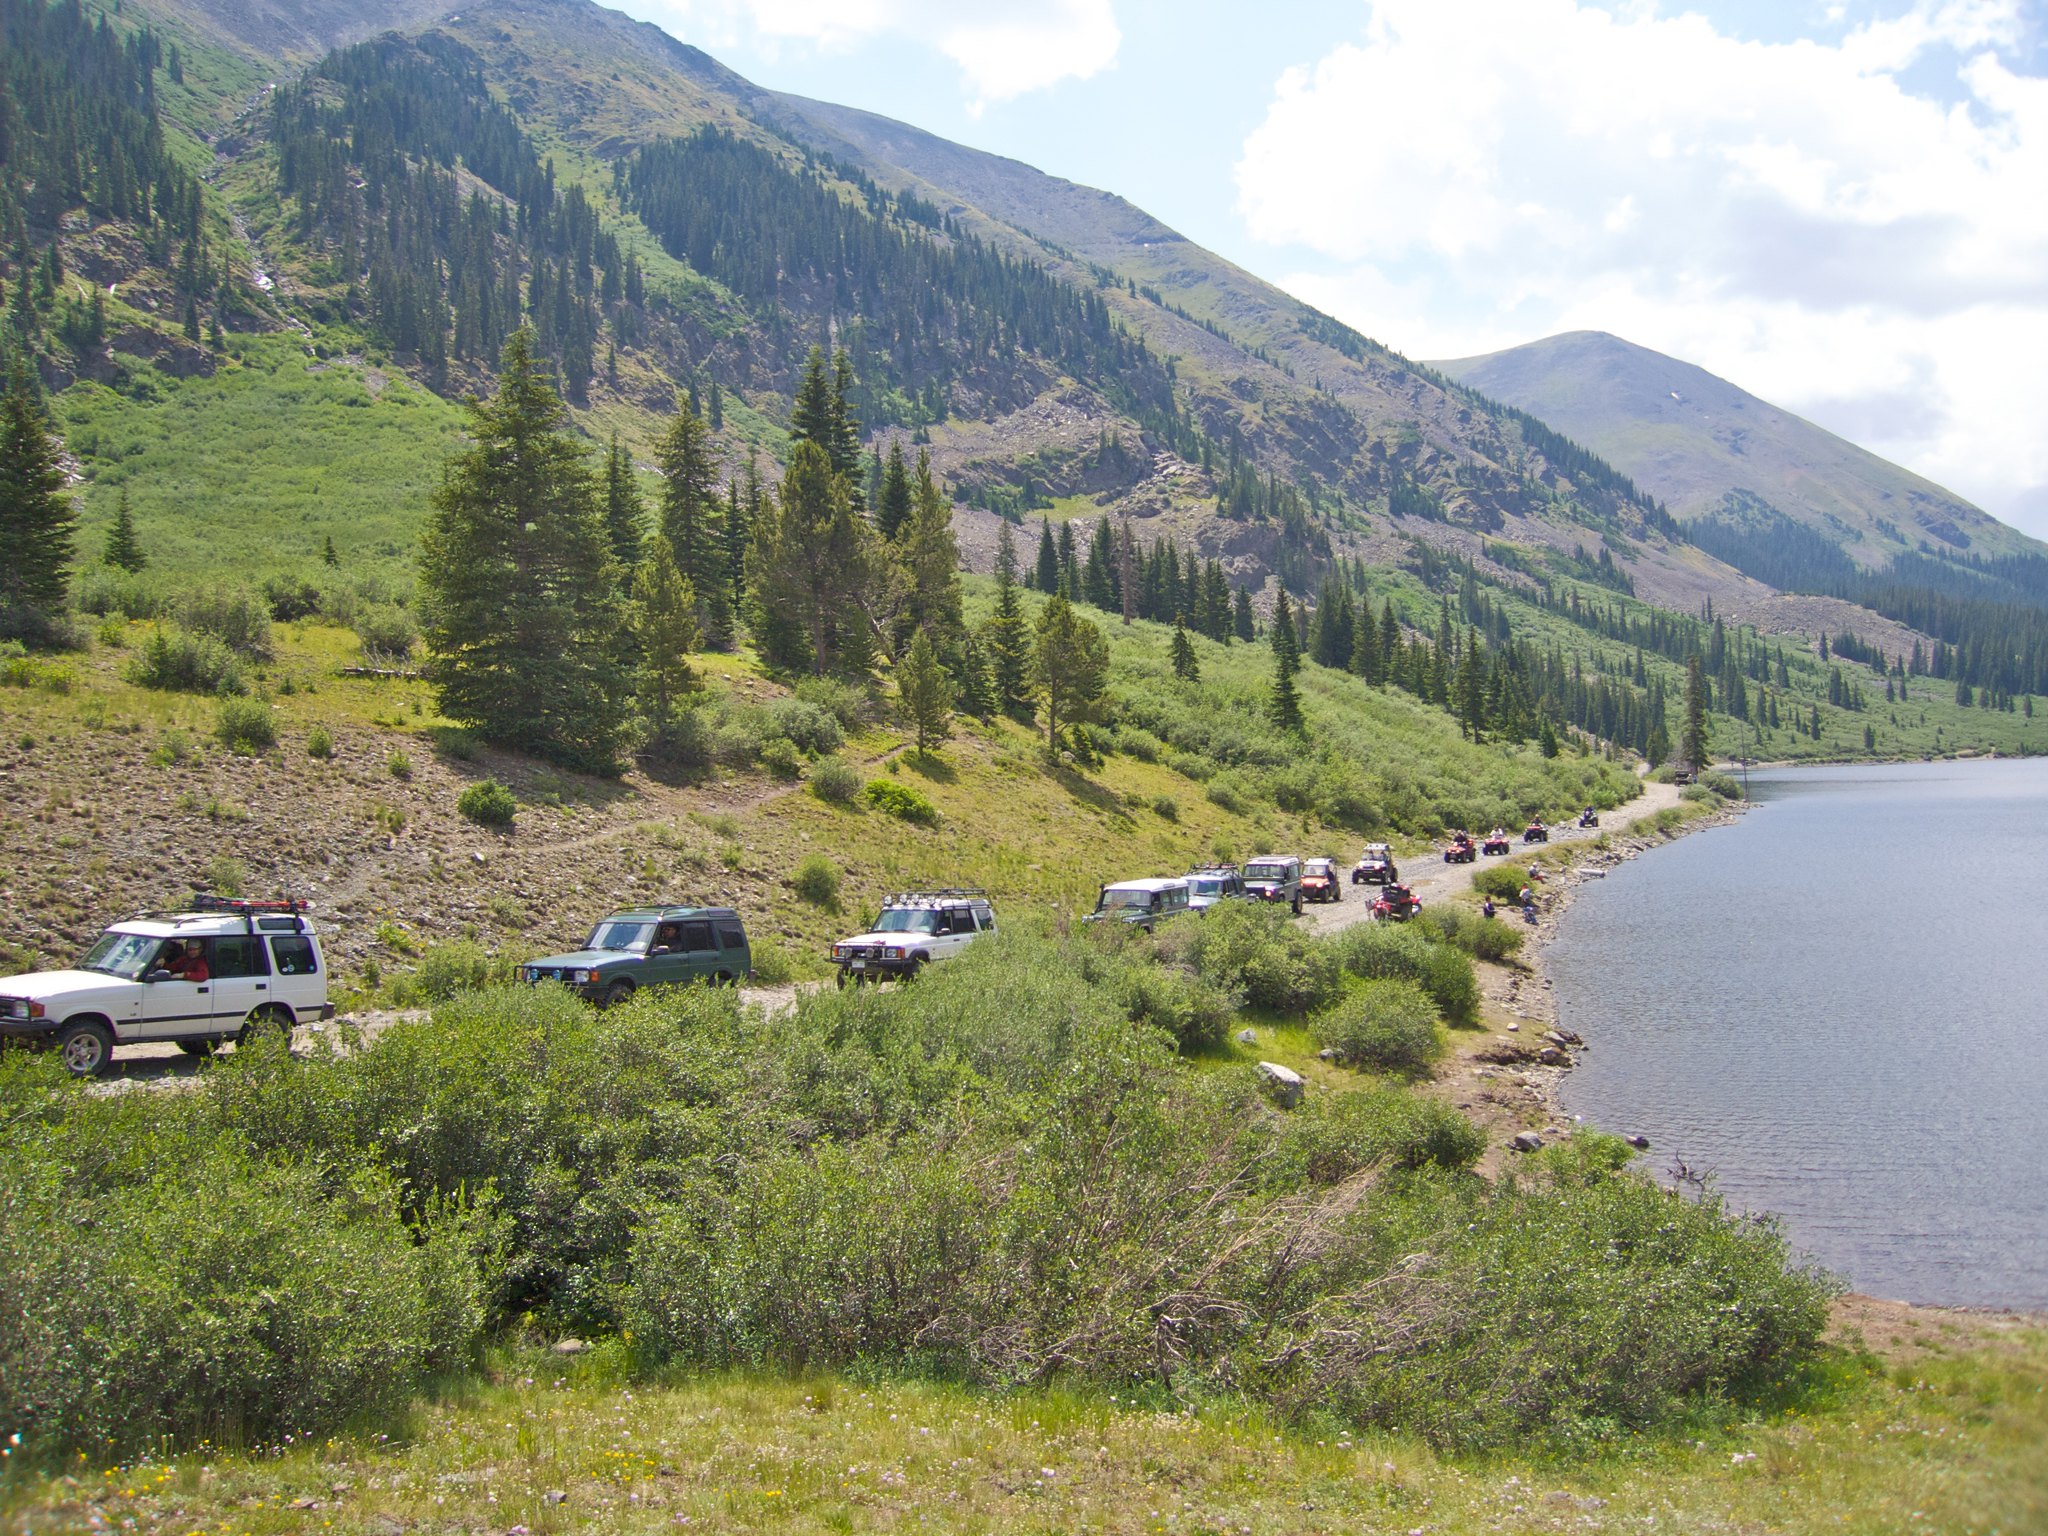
915 928
194 978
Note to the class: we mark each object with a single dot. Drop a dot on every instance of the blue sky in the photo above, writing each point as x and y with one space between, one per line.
1840 206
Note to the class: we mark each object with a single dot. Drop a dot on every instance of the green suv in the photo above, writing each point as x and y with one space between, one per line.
651 947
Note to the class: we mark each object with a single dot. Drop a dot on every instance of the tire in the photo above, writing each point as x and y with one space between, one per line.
269 1016
201 1048
725 979
617 993
1297 906
86 1046
917 964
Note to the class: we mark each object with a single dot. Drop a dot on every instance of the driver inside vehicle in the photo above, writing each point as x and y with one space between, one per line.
666 937
188 963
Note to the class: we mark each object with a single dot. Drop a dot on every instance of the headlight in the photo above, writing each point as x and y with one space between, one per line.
893 952
584 976
839 951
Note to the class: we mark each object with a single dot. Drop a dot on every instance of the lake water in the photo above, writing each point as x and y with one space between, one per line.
1836 1006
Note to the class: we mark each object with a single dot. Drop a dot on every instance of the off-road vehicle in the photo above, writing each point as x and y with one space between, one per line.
196 977
1218 882
1396 903
650 947
1536 832
1274 877
1320 880
1375 866
1142 903
1496 843
915 928
1459 849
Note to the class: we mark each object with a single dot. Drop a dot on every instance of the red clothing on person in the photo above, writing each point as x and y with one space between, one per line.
189 967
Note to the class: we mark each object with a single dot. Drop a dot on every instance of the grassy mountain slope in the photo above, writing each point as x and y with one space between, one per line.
1708 448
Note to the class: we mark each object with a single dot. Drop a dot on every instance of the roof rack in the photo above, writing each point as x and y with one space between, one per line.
942 893
206 901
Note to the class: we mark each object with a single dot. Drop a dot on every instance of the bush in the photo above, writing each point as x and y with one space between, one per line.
1503 882
399 764
177 659
782 760
447 970
1257 953
901 801
835 781
1167 807
1334 1137
1133 741
1723 784
1403 952
235 616
386 632
290 597
247 726
844 702
104 589
1389 1026
807 727
1697 794
1483 938
319 743
816 881
488 803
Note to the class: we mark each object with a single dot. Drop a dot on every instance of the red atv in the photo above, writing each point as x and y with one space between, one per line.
1537 833
1460 849
1396 904
1496 843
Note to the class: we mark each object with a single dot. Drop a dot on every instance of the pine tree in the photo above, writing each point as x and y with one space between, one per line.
1006 637
1242 623
716 419
1070 566
1658 747
1692 741
692 521
1284 705
1071 667
329 554
624 514
811 569
1127 571
124 550
931 560
664 634
36 517
1047 577
892 506
977 688
1469 689
1185 666
1098 584
1546 738
1364 660
926 692
518 587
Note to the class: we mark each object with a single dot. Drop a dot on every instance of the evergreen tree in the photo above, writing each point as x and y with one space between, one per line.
1692 741
716 419
624 515
1283 708
1242 623
36 517
1658 747
517 584
1070 567
329 553
927 693
664 634
811 569
692 522
931 560
1390 643
1185 666
1098 582
1546 738
1469 689
1071 666
124 550
1365 646
1007 637
977 688
892 507
1047 577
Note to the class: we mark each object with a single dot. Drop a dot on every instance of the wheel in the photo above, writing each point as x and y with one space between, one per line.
270 1016
618 992
725 979
1297 906
198 1047
917 963
87 1046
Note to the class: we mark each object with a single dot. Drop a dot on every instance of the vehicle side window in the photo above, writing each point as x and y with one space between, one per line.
294 956
731 936
666 936
697 936
239 956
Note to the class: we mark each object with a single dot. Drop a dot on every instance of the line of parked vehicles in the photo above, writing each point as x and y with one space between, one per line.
223 969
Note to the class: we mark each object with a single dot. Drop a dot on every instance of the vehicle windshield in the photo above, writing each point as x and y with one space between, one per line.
1273 869
127 955
1319 867
907 920
1115 898
1208 885
622 935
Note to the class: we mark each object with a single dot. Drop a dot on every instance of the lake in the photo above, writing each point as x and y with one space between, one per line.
1836 1007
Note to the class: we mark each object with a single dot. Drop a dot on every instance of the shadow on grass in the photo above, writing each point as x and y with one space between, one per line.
1088 792
931 766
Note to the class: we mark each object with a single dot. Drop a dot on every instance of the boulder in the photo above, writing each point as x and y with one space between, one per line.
1551 1056
1525 1141
1247 1037
570 1346
1638 1140
1283 1085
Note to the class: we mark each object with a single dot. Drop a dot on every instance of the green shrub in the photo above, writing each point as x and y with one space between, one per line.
1189 766
1403 952
1389 1026
810 728
782 760
319 743
1503 882
488 803
771 965
189 663
224 875
289 598
387 633
235 616
247 726
1256 952
103 590
1483 938
835 781
844 702
1134 741
1726 785
901 801
399 764
1333 1137
1697 794
816 880
1167 807
447 970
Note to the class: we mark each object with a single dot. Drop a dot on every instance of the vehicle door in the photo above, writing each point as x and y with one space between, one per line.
735 958
698 947
241 982
295 978
668 958
172 1006
963 928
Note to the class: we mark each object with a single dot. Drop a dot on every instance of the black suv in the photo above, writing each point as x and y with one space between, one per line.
1274 877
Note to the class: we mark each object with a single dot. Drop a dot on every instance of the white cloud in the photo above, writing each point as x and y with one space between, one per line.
1004 48
1805 217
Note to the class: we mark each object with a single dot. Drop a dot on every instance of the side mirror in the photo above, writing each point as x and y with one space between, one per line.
157 975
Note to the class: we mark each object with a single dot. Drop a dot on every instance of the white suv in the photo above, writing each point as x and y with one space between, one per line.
916 928
192 978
